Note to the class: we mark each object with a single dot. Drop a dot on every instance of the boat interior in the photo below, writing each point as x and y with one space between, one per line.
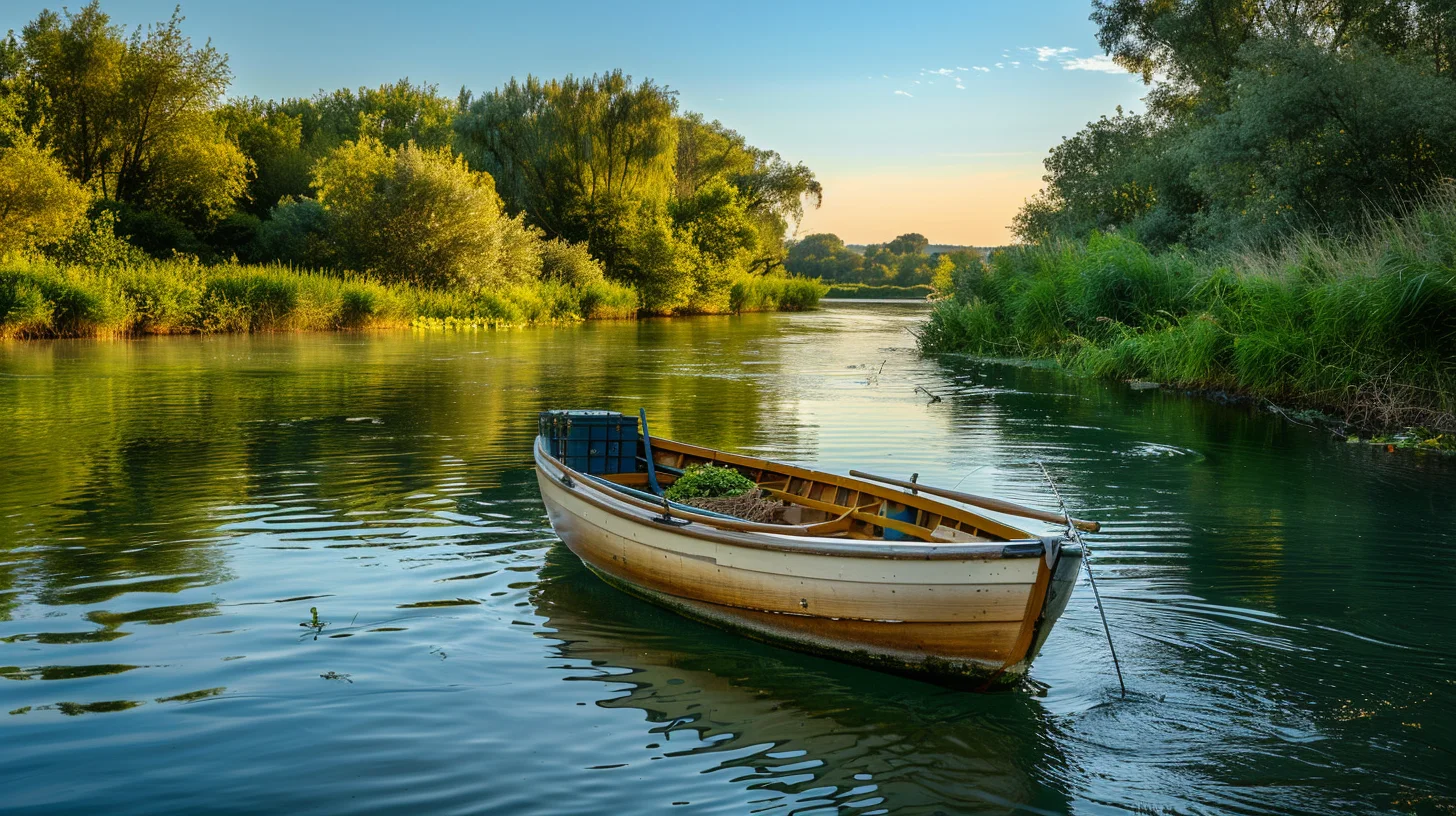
815 503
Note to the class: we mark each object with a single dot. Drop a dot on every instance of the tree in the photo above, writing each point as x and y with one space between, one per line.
393 113
1274 116
911 243
772 191
717 223
39 203
823 255
1198 44
272 140
73 68
422 216
578 156
1094 180
295 233
1318 140
132 117
657 261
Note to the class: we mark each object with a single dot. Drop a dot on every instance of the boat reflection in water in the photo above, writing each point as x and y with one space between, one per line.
795 727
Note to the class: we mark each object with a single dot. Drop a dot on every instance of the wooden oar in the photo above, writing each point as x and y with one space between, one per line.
998 505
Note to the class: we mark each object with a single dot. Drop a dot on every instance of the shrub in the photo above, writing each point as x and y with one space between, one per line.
96 245
40 202
421 216
569 263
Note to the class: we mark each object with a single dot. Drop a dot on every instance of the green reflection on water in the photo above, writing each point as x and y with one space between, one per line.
170 508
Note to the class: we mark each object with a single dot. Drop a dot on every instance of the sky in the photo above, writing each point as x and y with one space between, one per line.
931 117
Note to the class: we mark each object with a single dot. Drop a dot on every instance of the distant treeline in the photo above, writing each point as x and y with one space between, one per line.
901 262
933 249
120 147
865 291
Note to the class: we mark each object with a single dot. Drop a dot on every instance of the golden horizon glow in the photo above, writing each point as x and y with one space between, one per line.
956 205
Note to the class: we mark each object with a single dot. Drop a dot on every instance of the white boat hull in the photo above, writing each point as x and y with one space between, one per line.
974 618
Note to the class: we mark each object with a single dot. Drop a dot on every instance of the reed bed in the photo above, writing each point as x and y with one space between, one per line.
761 294
43 299
1363 327
40 299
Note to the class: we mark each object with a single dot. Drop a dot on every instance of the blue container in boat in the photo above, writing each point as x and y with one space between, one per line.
899 512
595 442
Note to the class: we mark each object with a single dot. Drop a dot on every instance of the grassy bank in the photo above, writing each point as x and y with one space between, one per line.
867 292
43 299
774 294
1365 329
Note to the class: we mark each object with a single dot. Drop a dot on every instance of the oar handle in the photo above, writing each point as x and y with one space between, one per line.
999 505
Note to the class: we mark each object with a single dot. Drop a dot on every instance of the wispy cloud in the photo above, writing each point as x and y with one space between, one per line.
1101 63
981 68
962 68
1000 65
905 93
1045 53
941 72
1016 63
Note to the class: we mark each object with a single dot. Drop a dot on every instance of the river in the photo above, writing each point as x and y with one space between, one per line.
172 509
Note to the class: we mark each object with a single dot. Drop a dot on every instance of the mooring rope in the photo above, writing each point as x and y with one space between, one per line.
1086 563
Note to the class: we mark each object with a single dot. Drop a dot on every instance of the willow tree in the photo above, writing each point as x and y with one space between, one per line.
132 116
579 156
770 191
422 216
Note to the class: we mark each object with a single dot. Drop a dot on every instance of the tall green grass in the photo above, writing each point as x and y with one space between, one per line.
43 299
40 298
762 294
1365 326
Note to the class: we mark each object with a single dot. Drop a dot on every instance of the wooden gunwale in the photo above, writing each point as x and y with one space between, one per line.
703 527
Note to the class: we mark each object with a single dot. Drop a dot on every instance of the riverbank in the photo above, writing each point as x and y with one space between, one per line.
39 299
864 291
1363 330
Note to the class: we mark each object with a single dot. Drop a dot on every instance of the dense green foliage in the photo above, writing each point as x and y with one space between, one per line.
1365 327
39 203
708 482
677 206
421 216
115 143
1265 119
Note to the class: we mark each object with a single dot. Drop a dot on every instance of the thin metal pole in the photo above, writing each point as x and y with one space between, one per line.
1086 563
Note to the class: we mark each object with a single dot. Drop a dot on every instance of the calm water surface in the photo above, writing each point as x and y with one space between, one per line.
171 510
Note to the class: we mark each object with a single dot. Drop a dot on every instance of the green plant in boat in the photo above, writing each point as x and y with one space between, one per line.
708 481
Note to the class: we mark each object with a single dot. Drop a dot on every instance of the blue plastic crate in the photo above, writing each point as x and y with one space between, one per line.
595 442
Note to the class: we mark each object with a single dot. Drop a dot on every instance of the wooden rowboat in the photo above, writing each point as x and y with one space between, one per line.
867 574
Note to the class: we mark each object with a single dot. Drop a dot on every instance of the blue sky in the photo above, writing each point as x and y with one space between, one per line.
932 117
